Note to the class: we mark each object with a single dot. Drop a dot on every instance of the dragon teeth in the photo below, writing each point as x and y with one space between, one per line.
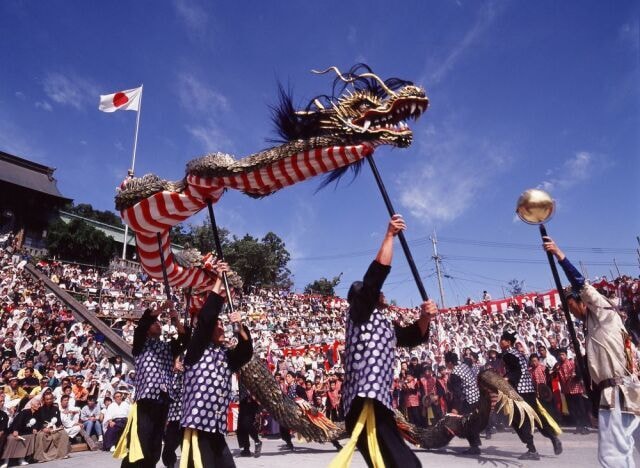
367 124
413 107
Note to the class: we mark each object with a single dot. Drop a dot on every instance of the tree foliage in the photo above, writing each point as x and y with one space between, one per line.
87 211
515 287
323 286
78 241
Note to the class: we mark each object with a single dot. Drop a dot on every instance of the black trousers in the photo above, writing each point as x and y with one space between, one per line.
285 434
172 440
246 423
214 451
577 410
473 439
152 415
524 432
395 451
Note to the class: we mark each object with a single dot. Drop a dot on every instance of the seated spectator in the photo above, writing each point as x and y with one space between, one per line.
70 417
115 419
29 381
91 418
52 441
80 393
21 440
14 392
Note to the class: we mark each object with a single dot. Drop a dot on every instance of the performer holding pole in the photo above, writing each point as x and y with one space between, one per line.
611 365
207 381
369 355
141 442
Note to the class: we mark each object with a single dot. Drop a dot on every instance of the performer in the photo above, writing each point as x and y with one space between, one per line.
610 364
296 393
465 394
207 382
246 423
369 354
173 431
517 373
141 442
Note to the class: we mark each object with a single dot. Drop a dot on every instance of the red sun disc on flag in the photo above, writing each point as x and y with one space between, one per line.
120 99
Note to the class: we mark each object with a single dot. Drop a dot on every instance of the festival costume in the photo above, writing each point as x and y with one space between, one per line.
371 340
207 391
247 411
463 385
141 442
518 375
609 353
173 431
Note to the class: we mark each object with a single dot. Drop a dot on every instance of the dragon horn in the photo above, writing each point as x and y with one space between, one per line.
388 90
380 81
335 69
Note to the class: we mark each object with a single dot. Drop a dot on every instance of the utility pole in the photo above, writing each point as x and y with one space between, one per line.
438 259
617 269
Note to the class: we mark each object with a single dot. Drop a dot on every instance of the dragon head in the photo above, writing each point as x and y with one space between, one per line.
363 108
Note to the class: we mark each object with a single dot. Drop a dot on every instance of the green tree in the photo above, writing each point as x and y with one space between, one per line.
323 286
516 287
261 263
78 241
87 211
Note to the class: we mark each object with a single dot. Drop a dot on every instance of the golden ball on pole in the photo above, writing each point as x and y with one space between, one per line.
535 206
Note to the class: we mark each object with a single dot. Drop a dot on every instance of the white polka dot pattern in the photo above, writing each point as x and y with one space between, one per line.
175 408
369 355
470 388
207 392
153 370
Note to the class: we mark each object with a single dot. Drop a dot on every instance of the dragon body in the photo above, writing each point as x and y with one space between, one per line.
332 134
313 425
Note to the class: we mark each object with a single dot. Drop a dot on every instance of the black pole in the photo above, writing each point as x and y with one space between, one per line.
403 241
567 315
165 277
216 238
187 322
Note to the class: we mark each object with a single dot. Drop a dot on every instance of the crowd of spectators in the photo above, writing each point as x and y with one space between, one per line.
297 334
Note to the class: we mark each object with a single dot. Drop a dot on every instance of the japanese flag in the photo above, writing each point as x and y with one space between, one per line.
128 99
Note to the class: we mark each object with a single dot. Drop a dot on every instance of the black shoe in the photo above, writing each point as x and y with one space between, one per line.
245 453
530 455
473 450
487 435
337 445
289 446
557 446
258 449
584 431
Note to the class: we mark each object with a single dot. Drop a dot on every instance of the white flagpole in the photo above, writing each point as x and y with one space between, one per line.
131 171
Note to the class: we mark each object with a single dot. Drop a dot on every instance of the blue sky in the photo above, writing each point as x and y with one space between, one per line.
523 94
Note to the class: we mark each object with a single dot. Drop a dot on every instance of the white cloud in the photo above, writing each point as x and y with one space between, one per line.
44 105
196 96
573 171
210 136
486 15
194 17
20 95
446 181
71 90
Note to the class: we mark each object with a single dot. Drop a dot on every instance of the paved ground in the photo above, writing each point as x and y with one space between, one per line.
501 451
